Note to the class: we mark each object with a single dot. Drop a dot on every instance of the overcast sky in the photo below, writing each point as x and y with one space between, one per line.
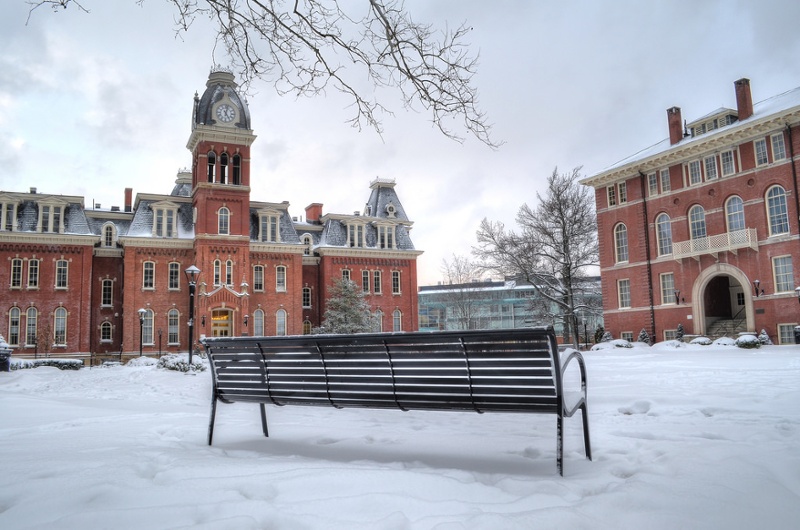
93 103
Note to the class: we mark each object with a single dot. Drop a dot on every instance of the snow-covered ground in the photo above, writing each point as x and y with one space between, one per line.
698 437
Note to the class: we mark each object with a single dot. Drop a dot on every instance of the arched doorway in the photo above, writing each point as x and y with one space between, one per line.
221 323
722 303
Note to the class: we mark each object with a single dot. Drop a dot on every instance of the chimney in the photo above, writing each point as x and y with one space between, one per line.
675 125
313 212
128 199
744 100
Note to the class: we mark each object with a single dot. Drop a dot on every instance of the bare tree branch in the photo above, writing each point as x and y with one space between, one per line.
304 47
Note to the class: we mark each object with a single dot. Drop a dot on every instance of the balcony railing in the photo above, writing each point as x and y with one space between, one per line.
728 242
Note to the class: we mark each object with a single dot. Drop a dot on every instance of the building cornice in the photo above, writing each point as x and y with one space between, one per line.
688 150
34 238
358 252
211 133
156 242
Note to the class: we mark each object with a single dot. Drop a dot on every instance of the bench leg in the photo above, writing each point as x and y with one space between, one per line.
211 422
586 442
560 444
264 419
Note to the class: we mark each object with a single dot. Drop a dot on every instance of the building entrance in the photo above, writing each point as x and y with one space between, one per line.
221 323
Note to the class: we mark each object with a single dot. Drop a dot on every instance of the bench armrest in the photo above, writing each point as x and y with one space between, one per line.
579 397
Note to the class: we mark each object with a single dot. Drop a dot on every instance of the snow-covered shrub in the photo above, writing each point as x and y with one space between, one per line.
61 364
144 361
644 337
612 344
607 337
748 341
763 338
180 362
669 345
703 341
679 333
724 341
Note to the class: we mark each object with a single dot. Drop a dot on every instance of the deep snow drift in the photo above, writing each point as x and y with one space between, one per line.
698 437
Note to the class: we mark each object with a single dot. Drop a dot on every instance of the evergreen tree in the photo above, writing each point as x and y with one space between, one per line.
679 333
607 337
763 338
598 334
346 310
644 336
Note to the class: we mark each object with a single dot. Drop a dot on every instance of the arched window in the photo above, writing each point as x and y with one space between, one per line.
377 321
147 328
223 168
108 235
734 214
621 242
258 323
307 242
13 326
237 170
697 222
173 327
212 165
217 272
397 320
229 272
31 326
664 234
777 212
106 331
280 322
280 278
223 221
307 327
60 327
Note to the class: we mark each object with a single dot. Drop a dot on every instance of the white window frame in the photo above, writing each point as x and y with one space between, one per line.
269 226
173 327
621 249
306 297
107 286
149 266
280 322
786 333
8 216
280 278
16 273
106 332
777 211
258 278
611 193
624 293
224 221
34 271
652 184
778 147
734 220
664 180
62 275
664 234
174 276
397 320
694 171
396 282
710 166
14 325
729 165
377 286
667 284
622 192
760 152
783 274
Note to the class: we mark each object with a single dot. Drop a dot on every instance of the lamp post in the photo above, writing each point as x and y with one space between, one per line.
191 275
756 283
142 312
159 342
677 293
585 335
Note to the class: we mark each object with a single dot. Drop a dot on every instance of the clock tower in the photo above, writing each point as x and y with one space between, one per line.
220 144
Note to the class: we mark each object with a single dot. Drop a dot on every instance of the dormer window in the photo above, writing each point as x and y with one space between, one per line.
51 218
386 237
269 226
8 215
391 210
109 235
308 243
165 215
355 234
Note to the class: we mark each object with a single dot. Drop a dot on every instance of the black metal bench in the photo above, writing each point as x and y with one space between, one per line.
516 370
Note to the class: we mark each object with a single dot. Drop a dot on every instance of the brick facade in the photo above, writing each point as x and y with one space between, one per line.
262 271
725 188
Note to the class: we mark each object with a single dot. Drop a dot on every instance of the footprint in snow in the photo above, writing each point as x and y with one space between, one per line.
640 407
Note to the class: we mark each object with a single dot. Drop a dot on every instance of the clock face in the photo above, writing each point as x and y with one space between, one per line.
226 113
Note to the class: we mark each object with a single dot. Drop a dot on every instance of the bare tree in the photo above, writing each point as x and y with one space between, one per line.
460 275
555 244
307 46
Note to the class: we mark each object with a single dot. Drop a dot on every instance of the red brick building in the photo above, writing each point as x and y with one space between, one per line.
702 229
75 279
